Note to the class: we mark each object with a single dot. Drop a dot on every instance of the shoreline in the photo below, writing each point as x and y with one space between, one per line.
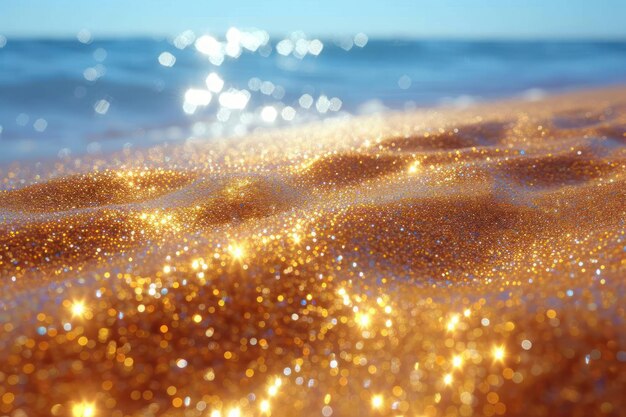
485 105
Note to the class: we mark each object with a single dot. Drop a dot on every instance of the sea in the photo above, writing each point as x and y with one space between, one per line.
63 98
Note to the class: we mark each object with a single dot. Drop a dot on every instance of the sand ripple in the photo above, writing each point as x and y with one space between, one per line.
452 262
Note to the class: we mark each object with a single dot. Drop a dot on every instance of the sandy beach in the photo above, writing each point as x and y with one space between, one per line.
436 262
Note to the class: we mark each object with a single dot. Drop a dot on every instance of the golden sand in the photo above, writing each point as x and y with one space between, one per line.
433 263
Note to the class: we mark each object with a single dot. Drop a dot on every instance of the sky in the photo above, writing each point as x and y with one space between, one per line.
483 19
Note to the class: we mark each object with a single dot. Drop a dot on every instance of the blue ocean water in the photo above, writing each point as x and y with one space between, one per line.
67 97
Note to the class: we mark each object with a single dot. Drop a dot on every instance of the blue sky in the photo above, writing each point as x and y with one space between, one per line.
377 18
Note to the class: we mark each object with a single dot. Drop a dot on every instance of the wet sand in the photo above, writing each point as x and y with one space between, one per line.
440 262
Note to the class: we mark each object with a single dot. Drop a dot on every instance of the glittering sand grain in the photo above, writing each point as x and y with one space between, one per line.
434 263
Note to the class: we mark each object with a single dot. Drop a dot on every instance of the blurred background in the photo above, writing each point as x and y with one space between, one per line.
89 77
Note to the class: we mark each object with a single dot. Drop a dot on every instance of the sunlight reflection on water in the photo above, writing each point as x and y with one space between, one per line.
65 97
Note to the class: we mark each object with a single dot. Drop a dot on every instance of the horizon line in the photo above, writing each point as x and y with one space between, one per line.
95 37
